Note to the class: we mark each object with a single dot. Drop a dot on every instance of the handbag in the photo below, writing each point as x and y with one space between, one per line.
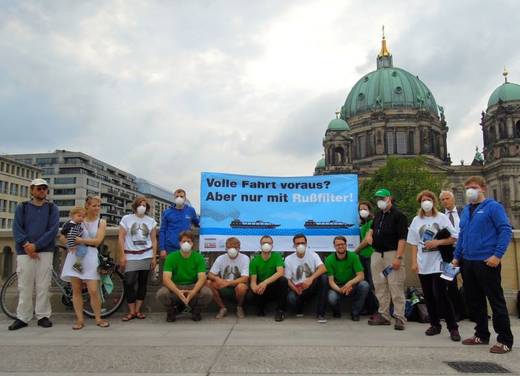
445 250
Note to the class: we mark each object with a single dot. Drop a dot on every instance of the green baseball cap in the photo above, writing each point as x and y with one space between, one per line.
383 192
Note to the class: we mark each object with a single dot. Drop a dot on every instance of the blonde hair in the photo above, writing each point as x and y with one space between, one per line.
89 200
76 210
421 213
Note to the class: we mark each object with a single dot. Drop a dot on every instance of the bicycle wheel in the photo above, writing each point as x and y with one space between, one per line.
9 296
111 298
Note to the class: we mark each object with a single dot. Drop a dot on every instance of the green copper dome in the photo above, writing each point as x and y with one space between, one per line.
321 163
388 87
506 92
338 125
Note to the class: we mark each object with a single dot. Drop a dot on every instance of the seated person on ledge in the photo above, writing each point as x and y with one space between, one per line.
306 277
267 280
184 277
346 279
229 275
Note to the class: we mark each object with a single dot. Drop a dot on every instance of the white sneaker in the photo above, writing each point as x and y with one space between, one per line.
322 319
222 313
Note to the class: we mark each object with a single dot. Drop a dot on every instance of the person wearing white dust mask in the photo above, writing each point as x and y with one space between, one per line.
485 234
229 277
268 283
184 280
177 218
388 238
137 254
305 273
429 231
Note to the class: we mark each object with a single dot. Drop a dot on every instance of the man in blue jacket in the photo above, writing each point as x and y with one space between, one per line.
35 227
176 219
484 236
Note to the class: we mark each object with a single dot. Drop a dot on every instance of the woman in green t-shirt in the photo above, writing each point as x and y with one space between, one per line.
364 250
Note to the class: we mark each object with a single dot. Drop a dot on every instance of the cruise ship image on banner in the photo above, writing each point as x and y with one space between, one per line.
330 224
237 223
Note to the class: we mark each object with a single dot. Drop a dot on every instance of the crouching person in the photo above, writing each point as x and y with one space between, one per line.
346 279
229 276
184 279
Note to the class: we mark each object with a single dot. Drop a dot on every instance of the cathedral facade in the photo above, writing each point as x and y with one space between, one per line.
391 112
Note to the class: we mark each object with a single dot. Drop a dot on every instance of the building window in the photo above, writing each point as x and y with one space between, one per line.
64 191
65 202
45 161
65 180
517 129
14 189
339 156
93 183
411 142
362 146
402 142
12 206
390 140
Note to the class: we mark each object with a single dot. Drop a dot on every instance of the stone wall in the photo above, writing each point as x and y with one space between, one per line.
510 263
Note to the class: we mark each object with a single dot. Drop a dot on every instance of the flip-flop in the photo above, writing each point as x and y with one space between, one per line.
78 326
129 316
103 324
140 315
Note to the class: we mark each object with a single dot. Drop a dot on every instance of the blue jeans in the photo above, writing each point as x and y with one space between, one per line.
358 296
320 287
81 250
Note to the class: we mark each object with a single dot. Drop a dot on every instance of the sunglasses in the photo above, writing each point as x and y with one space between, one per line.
41 188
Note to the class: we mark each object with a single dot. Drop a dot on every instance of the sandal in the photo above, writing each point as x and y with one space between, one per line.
129 316
103 324
140 315
78 326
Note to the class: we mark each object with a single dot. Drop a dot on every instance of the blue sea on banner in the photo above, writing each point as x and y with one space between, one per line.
259 205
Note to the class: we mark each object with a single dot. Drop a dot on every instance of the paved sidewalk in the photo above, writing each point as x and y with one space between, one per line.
254 346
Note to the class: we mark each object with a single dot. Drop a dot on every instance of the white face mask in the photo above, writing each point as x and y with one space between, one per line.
364 213
427 205
186 247
266 247
382 204
232 252
179 201
141 210
300 249
472 194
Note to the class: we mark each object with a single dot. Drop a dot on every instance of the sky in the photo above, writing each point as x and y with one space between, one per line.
168 89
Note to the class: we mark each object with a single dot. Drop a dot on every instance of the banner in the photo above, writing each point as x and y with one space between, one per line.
248 207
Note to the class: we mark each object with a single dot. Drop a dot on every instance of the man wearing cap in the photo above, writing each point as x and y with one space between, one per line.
36 224
388 238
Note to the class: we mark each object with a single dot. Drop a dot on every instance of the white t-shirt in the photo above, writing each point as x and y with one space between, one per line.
424 229
231 269
138 230
298 269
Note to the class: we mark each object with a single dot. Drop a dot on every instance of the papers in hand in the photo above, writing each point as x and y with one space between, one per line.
448 271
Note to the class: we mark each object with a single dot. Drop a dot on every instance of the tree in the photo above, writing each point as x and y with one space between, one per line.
405 178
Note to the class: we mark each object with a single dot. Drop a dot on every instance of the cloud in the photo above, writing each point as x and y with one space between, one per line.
166 90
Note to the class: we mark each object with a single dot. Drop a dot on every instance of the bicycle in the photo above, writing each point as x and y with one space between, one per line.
111 297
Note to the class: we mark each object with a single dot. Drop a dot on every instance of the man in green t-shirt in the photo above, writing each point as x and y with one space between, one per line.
267 279
346 279
184 277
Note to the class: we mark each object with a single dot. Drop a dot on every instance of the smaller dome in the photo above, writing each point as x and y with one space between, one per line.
321 163
506 92
338 125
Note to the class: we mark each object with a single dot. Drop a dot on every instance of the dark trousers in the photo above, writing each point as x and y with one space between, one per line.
456 300
320 286
135 285
274 291
371 303
437 301
481 282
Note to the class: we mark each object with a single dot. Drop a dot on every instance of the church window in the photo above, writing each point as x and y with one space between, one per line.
401 143
492 134
339 156
371 143
503 130
362 145
517 129
390 140
410 142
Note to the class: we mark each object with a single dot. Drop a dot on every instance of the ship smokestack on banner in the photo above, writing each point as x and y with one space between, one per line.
248 207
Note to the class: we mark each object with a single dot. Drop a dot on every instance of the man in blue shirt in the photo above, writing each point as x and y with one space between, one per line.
35 227
484 236
176 219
